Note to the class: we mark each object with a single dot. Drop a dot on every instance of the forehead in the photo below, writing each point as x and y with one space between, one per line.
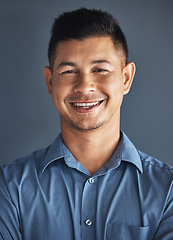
87 49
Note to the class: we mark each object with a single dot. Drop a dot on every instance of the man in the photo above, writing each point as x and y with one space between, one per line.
91 183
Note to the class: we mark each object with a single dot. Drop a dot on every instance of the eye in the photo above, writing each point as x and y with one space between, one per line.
100 70
68 72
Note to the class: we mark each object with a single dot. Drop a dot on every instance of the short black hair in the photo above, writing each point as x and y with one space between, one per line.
84 23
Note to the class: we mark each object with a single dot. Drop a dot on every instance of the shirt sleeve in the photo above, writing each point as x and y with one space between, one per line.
165 228
9 216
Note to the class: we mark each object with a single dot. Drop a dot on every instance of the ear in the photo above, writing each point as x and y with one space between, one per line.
48 78
128 75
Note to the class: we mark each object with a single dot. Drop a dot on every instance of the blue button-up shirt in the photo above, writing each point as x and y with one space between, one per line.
49 195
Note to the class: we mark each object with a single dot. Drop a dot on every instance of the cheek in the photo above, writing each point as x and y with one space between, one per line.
59 93
113 88
62 85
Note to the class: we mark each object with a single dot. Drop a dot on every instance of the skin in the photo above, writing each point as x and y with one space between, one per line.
89 71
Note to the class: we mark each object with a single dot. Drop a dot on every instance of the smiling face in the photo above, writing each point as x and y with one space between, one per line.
88 83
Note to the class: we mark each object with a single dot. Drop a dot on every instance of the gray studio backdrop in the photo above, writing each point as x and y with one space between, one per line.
28 120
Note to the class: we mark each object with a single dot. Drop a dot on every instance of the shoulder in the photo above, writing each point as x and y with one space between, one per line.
17 169
155 171
150 162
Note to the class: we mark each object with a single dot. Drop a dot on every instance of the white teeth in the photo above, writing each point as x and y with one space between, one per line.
85 105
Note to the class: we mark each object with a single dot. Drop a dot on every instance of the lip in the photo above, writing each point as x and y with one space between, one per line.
86 107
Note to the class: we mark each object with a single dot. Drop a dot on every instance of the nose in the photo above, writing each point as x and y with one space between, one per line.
84 84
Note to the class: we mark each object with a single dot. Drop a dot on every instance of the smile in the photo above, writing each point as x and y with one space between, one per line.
86 105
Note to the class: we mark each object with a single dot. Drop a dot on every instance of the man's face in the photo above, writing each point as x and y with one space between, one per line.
88 83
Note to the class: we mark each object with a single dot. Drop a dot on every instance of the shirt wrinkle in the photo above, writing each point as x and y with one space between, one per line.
157 165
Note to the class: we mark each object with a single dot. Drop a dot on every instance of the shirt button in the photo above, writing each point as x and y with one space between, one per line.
88 222
90 180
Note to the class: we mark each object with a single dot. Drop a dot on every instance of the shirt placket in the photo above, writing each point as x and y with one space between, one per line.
88 212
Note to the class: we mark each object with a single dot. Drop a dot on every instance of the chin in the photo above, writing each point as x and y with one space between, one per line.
86 127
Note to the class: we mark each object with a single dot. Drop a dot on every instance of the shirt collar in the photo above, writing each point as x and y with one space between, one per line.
125 151
129 153
53 153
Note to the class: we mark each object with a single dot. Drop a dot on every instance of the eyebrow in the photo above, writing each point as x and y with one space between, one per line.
62 64
100 61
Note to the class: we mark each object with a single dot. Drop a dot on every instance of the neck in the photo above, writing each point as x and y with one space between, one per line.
93 148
